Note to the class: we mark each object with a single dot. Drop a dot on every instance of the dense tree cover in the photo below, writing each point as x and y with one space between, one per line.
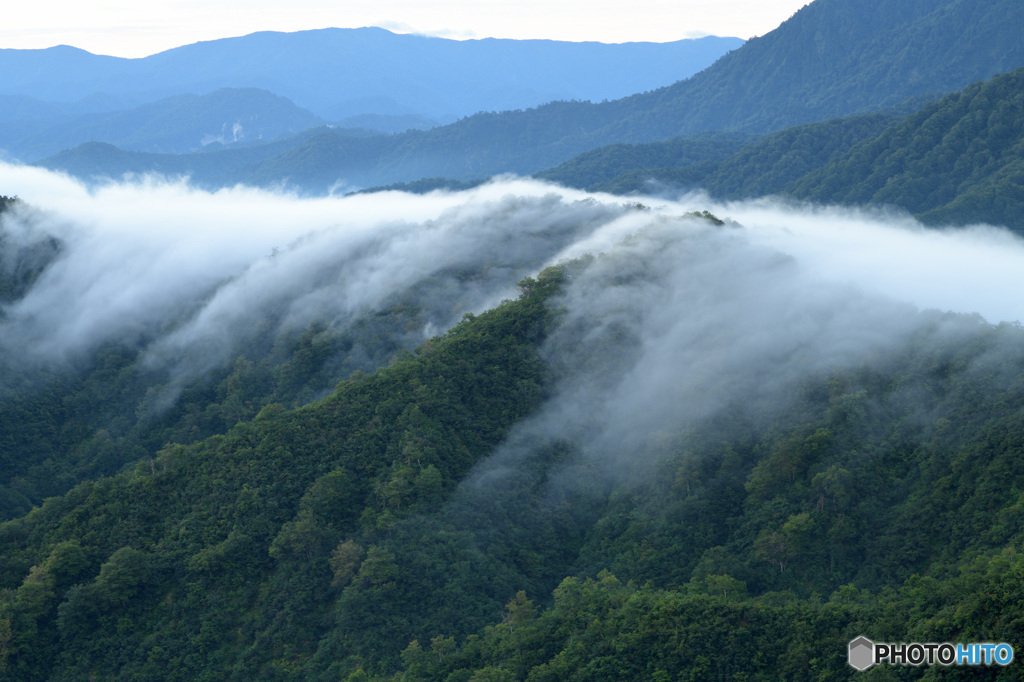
605 629
22 264
832 58
885 502
335 540
602 169
891 510
240 552
958 160
835 58
65 422
730 168
423 186
61 427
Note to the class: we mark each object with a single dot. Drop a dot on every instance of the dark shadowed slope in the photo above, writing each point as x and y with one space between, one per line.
959 160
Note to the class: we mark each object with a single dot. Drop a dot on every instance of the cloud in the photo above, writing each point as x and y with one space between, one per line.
677 322
681 320
451 33
970 270
187 275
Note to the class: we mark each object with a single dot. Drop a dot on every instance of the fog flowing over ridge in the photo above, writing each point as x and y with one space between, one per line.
685 320
187 274
670 331
684 333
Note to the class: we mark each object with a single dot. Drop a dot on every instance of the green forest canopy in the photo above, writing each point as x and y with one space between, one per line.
328 541
955 161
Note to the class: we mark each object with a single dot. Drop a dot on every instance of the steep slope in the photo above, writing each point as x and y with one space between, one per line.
959 160
837 57
738 170
751 553
123 329
355 537
404 437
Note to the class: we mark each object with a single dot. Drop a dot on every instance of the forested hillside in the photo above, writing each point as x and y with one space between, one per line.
604 168
733 169
956 161
301 485
836 57
526 429
602 479
84 390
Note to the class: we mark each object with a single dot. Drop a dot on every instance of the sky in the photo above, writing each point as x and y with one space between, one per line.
128 28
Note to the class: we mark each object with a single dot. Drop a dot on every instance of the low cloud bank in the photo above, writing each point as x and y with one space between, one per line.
694 308
187 275
681 320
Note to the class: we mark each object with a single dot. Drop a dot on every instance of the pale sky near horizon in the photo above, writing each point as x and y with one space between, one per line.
130 28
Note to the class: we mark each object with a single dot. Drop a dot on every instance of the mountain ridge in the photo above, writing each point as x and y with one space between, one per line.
956 161
802 72
322 69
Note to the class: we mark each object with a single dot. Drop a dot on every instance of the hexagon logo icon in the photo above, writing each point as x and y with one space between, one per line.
862 653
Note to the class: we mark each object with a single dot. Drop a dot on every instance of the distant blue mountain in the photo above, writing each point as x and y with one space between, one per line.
340 73
832 58
175 125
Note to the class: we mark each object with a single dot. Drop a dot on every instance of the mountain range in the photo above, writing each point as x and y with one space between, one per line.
349 77
511 430
885 57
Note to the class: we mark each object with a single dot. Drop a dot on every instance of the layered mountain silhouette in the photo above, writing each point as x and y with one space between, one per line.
365 77
832 58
